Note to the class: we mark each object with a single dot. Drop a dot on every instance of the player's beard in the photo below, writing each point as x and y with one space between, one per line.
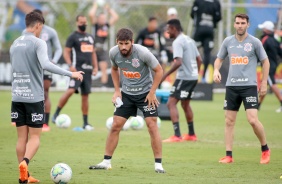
125 53
241 33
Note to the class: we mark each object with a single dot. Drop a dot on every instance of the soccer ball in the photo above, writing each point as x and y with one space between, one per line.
126 125
100 2
109 122
61 173
159 121
136 123
166 85
63 121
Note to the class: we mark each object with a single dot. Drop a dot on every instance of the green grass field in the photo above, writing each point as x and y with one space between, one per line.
186 162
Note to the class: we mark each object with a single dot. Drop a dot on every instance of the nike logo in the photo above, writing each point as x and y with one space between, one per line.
153 112
253 104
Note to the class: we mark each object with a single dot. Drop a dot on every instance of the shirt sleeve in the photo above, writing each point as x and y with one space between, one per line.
112 58
150 59
57 46
41 51
177 49
70 41
222 53
259 50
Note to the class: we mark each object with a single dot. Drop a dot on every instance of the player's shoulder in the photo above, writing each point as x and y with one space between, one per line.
253 39
49 29
114 51
140 49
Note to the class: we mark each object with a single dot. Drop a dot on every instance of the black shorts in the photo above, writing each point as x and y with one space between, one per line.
271 78
183 89
203 37
130 105
29 114
102 55
47 75
84 85
236 94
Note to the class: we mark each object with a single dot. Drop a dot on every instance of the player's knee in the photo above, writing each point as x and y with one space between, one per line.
252 120
229 121
170 105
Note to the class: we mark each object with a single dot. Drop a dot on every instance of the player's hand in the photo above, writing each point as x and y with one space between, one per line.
73 69
116 94
263 89
95 71
216 76
152 100
77 75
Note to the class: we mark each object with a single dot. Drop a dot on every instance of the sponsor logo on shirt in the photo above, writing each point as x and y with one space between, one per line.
247 47
251 99
135 63
239 46
44 36
86 67
239 60
133 89
131 75
14 115
84 47
239 79
36 117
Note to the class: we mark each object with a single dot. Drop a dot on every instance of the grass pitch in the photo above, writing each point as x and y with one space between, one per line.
133 162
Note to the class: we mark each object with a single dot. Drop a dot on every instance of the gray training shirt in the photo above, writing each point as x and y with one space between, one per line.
243 57
28 55
136 77
184 47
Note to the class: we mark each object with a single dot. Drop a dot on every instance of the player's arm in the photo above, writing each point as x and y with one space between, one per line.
94 62
265 71
114 16
92 13
24 7
57 46
199 62
177 62
116 82
216 74
67 57
41 51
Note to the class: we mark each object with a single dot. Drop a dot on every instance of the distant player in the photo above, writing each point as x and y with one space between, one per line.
272 49
132 65
243 51
28 58
49 35
187 62
79 54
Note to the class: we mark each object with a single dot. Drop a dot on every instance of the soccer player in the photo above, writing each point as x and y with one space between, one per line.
243 51
81 46
100 29
49 35
187 62
28 58
206 15
135 63
272 49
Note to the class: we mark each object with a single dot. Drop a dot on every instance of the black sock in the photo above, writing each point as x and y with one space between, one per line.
85 119
191 128
264 148
107 157
26 160
158 160
58 110
46 118
176 129
229 153
259 106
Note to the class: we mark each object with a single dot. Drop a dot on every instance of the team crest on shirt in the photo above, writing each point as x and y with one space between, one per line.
135 63
44 36
247 47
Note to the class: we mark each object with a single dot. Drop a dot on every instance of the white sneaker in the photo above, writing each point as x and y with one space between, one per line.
279 110
106 164
88 127
159 168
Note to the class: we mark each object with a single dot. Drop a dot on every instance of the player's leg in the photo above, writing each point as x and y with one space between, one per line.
121 114
47 102
103 65
207 47
273 86
22 131
73 87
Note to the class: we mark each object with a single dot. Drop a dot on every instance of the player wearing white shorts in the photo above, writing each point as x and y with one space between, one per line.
243 51
135 63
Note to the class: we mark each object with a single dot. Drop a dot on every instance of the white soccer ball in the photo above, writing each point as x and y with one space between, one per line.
126 125
101 3
137 123
61 173
63 121
109 123
159 121
166 85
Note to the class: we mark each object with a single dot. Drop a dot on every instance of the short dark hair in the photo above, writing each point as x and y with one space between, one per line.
152 18
32 18
124 34
80 15
38 11
242 16
175 23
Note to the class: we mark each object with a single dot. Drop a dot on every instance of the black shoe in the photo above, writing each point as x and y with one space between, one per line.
20 181
54 118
